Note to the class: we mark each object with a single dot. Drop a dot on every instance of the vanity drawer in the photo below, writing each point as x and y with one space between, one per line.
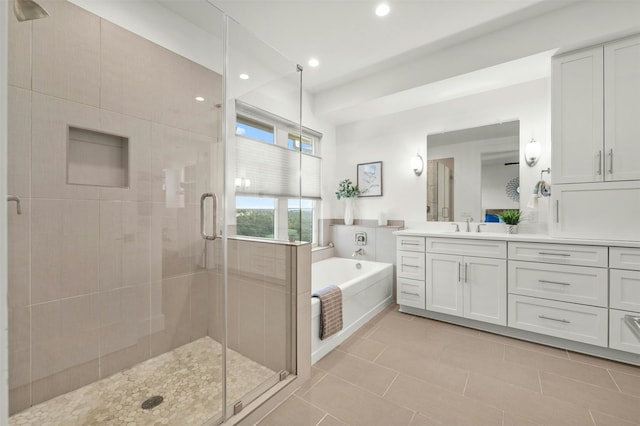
577 284
410 264
467 247
408 243
624 330
411 293
624 258
624 287
565 254
587 324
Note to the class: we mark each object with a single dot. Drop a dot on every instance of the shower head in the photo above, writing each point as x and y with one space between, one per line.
27 10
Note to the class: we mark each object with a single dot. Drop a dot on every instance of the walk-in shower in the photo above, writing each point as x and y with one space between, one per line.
130 298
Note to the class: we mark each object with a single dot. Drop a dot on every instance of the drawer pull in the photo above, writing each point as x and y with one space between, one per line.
410 243
544 253
409 266
410 293
553 282
634 324
554 319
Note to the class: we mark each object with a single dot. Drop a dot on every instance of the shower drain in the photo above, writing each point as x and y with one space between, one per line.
152 402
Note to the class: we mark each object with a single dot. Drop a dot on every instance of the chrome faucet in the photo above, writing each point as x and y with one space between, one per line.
457 227
359 252
17 200
479 225
469 220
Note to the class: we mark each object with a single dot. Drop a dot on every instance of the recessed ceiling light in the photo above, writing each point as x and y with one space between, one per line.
382 9
244 76
313 62
199 99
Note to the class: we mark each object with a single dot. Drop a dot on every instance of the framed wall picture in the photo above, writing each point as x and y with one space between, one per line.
370 179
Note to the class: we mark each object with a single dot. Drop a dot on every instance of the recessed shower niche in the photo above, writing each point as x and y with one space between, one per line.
97 158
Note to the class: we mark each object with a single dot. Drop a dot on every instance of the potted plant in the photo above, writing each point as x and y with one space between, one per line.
348 191
511 219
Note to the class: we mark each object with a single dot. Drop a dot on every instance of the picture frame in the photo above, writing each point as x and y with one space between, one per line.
370 179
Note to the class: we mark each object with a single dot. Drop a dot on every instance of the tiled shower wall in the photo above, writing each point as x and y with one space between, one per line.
103 278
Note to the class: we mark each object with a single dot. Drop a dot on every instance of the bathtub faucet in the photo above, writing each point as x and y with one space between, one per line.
359 252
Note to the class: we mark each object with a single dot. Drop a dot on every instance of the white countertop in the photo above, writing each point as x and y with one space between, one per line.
533 238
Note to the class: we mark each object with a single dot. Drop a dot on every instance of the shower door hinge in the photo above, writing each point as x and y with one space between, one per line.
283 375
237 407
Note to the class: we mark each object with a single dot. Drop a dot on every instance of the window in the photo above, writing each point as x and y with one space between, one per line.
277 183
253 129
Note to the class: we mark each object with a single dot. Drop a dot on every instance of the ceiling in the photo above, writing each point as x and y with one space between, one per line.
351 41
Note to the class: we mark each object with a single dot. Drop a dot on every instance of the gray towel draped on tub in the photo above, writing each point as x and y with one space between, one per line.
330 310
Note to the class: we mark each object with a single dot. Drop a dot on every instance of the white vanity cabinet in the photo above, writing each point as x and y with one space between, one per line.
467 285
410 267
560 290
624 315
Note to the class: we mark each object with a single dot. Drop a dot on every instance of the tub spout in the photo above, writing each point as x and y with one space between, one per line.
359 252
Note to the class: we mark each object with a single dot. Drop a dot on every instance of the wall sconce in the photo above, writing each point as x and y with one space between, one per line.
532 152
417 164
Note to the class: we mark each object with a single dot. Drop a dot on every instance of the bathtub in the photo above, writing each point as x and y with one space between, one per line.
366 291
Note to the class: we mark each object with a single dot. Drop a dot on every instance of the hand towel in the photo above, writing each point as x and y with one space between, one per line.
330 310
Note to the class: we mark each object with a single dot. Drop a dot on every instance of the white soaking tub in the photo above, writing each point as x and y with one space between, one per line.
366 290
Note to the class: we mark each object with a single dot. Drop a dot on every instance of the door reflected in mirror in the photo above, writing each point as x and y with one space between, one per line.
482 182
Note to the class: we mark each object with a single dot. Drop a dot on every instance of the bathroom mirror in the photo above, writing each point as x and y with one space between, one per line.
473 173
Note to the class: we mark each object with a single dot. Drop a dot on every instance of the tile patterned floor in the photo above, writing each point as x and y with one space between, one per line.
188 378
401 370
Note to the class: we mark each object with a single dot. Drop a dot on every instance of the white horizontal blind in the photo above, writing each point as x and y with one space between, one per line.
274 171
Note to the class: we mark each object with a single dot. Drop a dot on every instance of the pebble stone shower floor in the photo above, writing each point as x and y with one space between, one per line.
189 379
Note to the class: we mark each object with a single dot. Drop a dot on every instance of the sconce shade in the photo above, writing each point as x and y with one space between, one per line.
532 152
417 164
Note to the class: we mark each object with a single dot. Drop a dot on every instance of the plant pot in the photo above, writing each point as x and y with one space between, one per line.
512 229
348 211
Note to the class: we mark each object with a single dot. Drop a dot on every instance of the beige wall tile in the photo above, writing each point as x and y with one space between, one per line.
60 383
200 288
65 336
19 142
303 342
303 274
51 118
175 299
251 320
176 246
138 133
66 53
117 361
19 50
19 358
64 244
355 406
216 309
19 399
19 258
277 328
127 73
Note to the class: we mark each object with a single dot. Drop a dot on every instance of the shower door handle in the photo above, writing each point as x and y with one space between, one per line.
203 232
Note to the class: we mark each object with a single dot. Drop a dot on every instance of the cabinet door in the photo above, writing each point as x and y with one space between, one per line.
608 210
621 106
444 283
485 289
577 117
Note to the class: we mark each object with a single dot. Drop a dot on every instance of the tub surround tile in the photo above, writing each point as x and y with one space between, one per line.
66 53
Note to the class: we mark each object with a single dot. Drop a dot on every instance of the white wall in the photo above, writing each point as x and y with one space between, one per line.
395 138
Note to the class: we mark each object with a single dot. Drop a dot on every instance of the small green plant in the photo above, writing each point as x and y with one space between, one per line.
510 217
346 189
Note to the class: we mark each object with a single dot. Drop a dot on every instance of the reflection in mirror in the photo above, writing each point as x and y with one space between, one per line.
486 162
440 190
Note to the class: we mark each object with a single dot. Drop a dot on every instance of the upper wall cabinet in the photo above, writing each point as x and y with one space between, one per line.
622 109
595 104
577 116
